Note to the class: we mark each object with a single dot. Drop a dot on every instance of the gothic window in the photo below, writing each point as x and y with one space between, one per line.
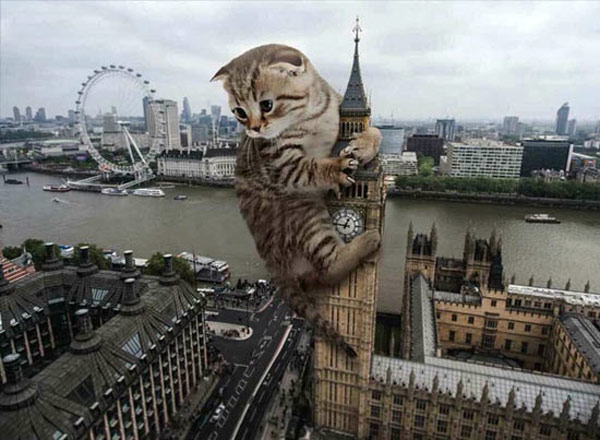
507 344
442 426
421 405
527 327
465 431
396 416
541 349
524 347
395 434
545 430
444 410
419 421
454 317
511 325
468 414
519 425
374 431
490 435
471 320
397 400
468 338
493 420
451 336
376 395
375 411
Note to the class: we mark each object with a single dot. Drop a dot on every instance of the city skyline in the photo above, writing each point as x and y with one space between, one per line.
424 60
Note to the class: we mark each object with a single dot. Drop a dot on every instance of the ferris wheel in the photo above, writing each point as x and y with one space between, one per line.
118 122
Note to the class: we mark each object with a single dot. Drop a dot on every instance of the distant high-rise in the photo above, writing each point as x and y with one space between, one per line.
445 128
17 113
597 131
430 145
562 118
510 125
72 116
162 120
539 154
186 114
40 115
572 127
109 123
28 114
392 139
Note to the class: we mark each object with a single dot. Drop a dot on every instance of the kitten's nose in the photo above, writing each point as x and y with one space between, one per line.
256 128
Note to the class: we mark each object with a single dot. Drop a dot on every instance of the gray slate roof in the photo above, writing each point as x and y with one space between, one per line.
500 381
585 336
423 339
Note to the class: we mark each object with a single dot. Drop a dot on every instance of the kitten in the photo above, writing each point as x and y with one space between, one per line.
284 170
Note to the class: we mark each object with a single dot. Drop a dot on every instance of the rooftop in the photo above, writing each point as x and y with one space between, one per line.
586 336
459 298
423 339
570 297
553 390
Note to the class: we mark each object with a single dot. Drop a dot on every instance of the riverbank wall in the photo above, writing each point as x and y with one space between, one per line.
497 199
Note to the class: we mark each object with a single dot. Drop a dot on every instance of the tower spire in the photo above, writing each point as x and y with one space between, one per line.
355 100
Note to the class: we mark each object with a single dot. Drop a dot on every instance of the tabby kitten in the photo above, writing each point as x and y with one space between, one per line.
284 170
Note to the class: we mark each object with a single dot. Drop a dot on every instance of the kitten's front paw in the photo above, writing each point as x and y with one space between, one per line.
364 146
345 167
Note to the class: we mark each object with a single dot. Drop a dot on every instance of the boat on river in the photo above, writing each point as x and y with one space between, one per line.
207 269
541 218
180 197
13 182
149 192
56 188
114 192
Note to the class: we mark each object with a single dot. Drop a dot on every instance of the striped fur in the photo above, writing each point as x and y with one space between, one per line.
284 170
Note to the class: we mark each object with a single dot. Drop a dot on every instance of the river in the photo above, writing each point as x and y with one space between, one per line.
209 223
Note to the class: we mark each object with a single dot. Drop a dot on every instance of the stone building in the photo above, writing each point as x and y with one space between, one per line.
208 163
67 375
425 394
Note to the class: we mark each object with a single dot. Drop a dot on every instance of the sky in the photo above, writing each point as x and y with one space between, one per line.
419 61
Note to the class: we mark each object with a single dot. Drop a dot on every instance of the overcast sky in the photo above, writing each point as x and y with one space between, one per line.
419 60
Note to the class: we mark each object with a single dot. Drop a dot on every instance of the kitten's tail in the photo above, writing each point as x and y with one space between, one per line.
301 303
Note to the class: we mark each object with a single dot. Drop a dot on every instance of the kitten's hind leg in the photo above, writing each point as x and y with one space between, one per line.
303 304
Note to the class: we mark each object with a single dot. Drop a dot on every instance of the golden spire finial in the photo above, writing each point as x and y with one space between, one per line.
356 30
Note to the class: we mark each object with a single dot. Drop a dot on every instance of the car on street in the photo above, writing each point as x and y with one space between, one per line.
218 412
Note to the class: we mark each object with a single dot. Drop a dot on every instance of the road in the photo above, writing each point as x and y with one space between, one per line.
250 360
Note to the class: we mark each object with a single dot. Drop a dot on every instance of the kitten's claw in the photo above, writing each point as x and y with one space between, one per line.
346 152
350 179
364 146
350 351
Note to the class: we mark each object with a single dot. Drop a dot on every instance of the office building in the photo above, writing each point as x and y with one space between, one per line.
482 158
392 139
97 354
16 114
541 154
510 125
186 114
445 128
28 114
40 115
572 127
430 145
404 164
562 118
162 121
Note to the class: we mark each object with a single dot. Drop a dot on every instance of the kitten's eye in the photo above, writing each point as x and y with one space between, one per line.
239 111
266 105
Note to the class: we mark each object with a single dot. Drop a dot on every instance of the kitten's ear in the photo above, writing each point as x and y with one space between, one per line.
222 74
287 60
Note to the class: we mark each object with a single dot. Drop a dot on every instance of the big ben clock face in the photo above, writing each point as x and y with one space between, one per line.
348 223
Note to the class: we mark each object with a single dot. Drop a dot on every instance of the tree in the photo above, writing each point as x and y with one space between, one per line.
425 166
96 256
156 266
12 252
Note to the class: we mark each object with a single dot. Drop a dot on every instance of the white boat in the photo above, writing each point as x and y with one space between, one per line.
541 218
66 251
113 192
206 268
149 192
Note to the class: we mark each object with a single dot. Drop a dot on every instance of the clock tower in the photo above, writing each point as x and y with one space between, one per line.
341 384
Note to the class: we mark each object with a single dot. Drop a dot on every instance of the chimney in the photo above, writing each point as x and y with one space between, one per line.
12 367
130 301
129 271
169 277
18 392
86 340
86 267
51 262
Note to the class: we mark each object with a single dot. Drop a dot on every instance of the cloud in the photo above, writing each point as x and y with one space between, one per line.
419 60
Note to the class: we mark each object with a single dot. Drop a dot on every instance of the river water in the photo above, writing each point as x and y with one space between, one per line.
209 223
